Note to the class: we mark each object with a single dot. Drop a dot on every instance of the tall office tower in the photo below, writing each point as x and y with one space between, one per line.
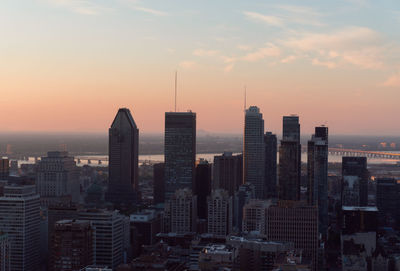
158 183
245 193
317 172
354 181
388 201
202 187
219 213
123 151
254 217
4 252
57 179
108 236
271 149
20 220
228 172
253 151
295 222
71 245
179 151
181 212
358 237
4 168
290 160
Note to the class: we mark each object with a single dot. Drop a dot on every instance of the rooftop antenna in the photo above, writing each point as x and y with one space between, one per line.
245 96
176 86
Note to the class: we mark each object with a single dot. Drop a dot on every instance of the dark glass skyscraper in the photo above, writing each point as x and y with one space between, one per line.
123 159
270 143
228 172
317 173
179 151
253 151
290 160
202 187
354 181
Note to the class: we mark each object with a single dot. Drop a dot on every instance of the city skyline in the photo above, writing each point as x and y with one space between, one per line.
67 65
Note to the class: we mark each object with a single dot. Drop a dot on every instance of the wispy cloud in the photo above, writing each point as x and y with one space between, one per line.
203 52
289 59
393 81
150 11
84 7
269 51
187 64
327 64
269 19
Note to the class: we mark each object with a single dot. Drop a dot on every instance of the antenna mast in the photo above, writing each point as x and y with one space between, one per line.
176 86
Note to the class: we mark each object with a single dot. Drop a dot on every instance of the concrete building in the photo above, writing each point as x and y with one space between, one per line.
354 181
254 217
297 223
228 172
179 151
290 160
109 246
220 210
123 153
181 212
71 245
214 256
253 150
317 173
57 179
20 220
271 149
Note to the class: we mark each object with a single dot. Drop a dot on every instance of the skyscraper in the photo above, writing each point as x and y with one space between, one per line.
57 179
290 160
228 172
253 151
123 154
202 187
4 168
158 183
20 219
271 146
354 181
388 201
317 173
179 151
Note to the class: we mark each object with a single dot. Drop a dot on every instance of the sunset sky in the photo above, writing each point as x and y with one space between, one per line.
68 65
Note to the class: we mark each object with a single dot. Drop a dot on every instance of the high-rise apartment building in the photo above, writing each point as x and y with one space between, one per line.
354 181
179 151
4 168
254 217
317 173
123 155
109 249
219 221
202 187
20 220
181 212
295 222
253 150
271 149
290 160
57 179
71 245
228 172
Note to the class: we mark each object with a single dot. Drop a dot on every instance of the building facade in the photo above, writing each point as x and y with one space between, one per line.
20 220
220 211
271 149
354 181
228 172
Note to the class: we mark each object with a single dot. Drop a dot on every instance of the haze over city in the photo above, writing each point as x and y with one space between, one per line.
68 65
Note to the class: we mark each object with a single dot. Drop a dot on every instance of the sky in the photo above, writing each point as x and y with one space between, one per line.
68 65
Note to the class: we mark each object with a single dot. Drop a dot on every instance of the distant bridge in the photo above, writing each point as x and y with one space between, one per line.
369 154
